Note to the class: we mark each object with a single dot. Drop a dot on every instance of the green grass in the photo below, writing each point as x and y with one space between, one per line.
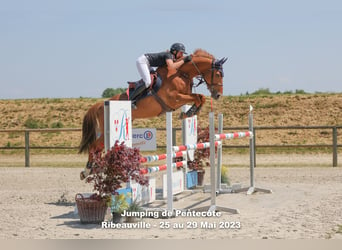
339 229
33 123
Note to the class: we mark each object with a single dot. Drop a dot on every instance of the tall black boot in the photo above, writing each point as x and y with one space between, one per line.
137 91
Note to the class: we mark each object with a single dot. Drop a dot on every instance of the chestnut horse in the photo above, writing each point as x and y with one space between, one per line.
175 91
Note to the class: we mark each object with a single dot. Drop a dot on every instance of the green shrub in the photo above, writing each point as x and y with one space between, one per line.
224 175
300 91
262 91
57 125
32 123
109 92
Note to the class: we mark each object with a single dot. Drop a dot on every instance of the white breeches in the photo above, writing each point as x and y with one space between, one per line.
144 69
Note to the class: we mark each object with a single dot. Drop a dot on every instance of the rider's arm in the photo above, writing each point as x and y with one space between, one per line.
174 65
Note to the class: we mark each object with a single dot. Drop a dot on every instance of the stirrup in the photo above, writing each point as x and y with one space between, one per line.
133 105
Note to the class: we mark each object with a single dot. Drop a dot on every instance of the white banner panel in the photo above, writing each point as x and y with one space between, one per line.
144 194
118 123
145 139
189 131
177 183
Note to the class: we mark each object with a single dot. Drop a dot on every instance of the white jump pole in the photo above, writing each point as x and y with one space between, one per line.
219 153
106 126
169 160
212 160
213 188
252 189
251 150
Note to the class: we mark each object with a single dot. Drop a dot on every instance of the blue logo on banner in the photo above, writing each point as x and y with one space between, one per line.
148 135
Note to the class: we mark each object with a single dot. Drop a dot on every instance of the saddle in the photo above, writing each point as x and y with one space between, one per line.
156 82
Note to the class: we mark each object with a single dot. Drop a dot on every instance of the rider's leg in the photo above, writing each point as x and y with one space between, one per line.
144 71
139 88
143 67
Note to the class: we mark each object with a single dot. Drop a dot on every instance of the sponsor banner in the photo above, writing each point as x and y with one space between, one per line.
118 123
189 131
177 183
191 179
144 139
144 194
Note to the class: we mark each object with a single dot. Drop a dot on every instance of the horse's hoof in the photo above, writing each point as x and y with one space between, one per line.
82 176
182 115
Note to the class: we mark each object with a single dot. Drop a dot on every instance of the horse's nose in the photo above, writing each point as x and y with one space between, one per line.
216 95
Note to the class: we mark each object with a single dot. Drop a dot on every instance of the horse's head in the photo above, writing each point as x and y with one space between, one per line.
214 78
210 71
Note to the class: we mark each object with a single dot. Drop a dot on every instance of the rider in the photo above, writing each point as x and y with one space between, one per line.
148 60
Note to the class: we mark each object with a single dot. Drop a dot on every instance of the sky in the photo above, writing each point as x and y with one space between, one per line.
78 48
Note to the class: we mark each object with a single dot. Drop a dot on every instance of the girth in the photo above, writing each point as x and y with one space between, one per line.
164 106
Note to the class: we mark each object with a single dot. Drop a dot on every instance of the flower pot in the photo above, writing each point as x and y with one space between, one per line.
200 177
117 217
131 219
90 210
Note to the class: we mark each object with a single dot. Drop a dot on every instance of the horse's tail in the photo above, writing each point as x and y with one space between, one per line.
88 130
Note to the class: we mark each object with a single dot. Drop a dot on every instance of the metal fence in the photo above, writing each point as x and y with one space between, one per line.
334 145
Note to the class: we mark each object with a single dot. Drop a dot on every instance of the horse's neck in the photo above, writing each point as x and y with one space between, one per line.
197 66
192 69
166 72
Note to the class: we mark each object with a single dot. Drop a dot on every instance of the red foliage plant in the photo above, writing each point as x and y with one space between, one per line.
201 156
115 167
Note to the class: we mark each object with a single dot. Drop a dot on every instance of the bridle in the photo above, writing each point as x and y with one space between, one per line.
214 66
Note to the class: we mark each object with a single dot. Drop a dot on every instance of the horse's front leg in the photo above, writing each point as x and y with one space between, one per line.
198 100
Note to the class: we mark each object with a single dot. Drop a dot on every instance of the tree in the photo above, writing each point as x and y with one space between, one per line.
109 92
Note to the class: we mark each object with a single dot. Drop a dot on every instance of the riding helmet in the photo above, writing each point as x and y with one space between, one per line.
177 47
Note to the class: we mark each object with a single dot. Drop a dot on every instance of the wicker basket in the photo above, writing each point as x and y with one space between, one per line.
90 210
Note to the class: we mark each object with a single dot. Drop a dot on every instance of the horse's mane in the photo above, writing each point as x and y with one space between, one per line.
203 53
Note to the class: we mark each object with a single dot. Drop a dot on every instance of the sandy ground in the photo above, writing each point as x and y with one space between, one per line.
306 203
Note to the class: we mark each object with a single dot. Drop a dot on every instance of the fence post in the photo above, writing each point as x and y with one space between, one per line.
212 161
27 148
169 171
334 147
219 154
251 146
254 145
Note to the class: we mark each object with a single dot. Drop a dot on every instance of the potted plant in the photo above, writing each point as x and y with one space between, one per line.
224 175
91 209
201 157
133 209
119 204
110 171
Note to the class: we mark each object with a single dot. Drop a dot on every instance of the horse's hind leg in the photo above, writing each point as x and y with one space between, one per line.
86 171
97 146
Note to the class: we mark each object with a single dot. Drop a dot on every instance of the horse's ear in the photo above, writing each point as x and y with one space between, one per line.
220 62
223 60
